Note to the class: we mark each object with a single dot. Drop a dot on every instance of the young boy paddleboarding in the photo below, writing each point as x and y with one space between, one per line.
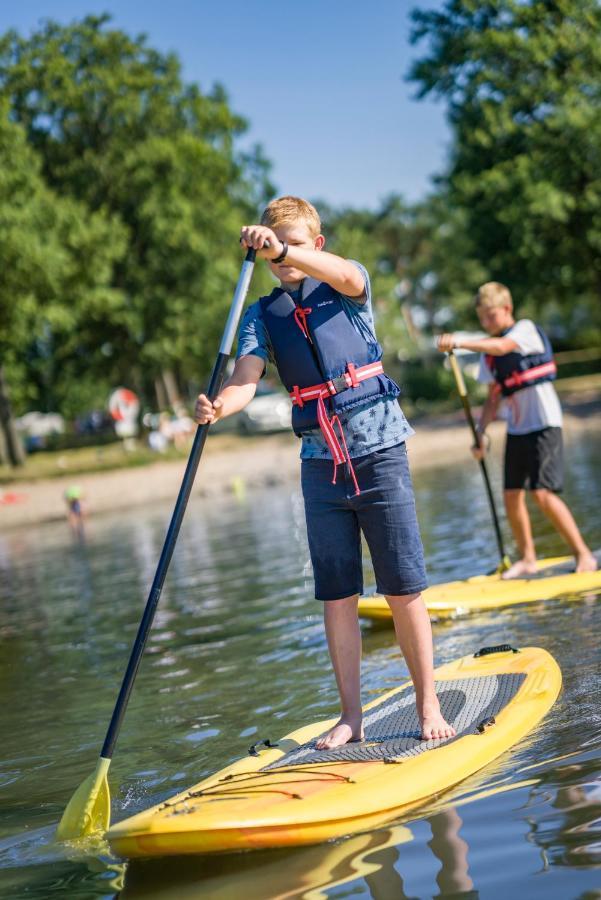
317 327
517 364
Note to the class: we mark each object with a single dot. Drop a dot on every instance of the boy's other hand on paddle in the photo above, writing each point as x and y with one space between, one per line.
480 449
255 236
446 342
205 411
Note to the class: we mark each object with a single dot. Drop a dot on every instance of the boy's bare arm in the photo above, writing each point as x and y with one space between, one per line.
489 410
339 273
488 415
494 346
236 393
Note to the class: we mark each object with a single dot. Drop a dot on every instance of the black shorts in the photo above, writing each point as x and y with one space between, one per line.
534 461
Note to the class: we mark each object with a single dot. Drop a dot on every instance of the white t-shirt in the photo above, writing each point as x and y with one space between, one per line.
532 408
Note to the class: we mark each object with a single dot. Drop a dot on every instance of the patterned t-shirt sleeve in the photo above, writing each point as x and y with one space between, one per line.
253 339
365 297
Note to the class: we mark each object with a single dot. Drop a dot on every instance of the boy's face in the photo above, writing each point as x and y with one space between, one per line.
495 319
295 235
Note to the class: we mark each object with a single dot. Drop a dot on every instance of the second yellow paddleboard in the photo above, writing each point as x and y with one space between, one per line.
555 578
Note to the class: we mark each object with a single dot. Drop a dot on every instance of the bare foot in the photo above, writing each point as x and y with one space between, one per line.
520 568
434 725
586 562
345 730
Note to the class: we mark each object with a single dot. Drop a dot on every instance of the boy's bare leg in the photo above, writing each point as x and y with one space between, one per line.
562 519
414 634
519 520
344 642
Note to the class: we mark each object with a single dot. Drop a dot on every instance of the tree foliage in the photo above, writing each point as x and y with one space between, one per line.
56 263
120 136
523 85
421 262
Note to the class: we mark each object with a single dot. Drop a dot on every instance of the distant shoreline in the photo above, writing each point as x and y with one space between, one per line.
249 465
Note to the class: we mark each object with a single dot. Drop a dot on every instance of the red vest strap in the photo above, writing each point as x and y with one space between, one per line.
349 379
530 374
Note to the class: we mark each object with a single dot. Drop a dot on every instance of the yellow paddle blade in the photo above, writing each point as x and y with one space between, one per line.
89 809
503 565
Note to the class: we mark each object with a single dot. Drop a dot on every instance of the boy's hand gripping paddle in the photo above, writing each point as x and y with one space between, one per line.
505 561
89 809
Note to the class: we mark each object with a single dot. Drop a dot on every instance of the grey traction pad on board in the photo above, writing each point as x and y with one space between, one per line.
392 728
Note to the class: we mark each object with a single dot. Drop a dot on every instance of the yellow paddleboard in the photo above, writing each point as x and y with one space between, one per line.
290 793
555 578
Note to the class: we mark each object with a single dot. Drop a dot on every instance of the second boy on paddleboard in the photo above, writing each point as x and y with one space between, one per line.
517 364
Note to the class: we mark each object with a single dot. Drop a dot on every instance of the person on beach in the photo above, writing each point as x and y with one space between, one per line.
318 328
517 364
73 498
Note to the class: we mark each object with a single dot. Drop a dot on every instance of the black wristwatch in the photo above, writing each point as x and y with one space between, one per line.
282 255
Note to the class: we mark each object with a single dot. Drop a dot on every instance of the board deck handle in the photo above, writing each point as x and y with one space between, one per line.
498 648
265 743
487 723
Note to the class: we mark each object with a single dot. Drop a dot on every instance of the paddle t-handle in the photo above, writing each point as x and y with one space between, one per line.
88 811
462 391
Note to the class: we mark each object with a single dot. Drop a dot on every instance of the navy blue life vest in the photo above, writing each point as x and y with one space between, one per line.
336 343
516 371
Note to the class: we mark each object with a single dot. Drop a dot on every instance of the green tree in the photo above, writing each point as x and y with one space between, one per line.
117 130
523 86
56 263
420 259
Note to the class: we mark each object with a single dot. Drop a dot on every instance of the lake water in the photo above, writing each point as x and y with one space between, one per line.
237 653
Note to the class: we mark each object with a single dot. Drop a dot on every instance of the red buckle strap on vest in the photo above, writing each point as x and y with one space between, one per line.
296 397
530 374
336 385
349 379
352 370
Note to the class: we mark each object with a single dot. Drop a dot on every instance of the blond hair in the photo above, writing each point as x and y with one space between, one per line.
493 293
290 210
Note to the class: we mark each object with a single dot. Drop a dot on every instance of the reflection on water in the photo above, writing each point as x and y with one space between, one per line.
237 654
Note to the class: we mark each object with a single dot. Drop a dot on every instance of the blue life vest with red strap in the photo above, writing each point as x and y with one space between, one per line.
314 342
516 371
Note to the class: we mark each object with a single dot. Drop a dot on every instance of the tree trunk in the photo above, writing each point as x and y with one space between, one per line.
161 393
12 442
173 394
412 329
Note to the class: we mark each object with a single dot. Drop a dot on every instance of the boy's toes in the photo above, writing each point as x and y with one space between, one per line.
435 728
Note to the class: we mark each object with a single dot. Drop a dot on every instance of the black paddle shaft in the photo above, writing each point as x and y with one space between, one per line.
180 507
468 414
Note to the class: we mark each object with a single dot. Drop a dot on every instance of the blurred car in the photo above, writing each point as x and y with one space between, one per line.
36 428
270 410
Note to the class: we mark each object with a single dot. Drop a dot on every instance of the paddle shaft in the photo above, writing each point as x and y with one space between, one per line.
200 437
468 414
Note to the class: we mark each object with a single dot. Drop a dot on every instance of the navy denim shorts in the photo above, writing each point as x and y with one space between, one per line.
384 511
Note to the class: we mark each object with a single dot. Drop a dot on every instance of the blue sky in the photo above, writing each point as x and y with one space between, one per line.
321 83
